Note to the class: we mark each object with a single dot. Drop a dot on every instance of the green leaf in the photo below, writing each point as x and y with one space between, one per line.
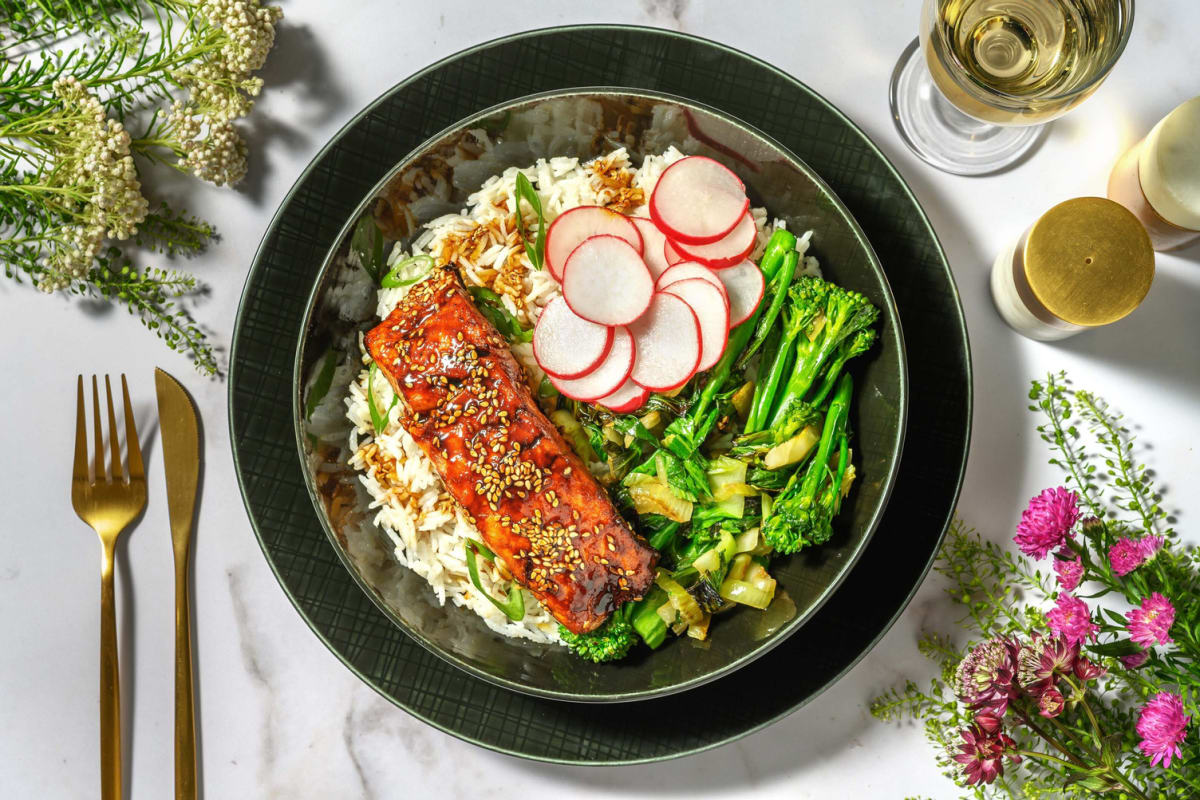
489 304
513 605
525 191
1116 618
1121 647
321 385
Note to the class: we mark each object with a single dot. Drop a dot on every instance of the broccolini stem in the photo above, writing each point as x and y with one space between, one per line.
829 380
780 244
770 352
802 379
779 285
765 391
831 435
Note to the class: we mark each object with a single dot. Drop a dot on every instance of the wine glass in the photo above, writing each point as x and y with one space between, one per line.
971 94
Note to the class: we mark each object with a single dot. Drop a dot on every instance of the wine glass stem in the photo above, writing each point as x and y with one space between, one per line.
941 134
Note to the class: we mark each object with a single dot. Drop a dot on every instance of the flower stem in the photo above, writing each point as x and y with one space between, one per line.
1055 743
1054 759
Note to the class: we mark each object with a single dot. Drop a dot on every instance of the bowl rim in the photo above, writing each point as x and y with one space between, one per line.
895 447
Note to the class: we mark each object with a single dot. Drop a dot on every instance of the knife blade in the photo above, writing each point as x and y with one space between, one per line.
180 432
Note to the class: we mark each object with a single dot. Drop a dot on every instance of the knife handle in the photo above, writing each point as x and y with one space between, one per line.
185 719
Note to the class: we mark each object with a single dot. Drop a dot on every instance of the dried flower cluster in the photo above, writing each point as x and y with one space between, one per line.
200 129
69 184
1079 699
105 197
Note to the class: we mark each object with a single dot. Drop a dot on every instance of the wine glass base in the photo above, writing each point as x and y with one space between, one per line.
942 135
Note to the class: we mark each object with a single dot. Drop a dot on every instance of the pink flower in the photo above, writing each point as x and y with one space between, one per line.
1134 660
1151 622
1128 554
1047 522
1125 556
1071 619
1162 726
988 722
984 678
1069 569
981 754
1051 703
1149 546
1087 670
1042 660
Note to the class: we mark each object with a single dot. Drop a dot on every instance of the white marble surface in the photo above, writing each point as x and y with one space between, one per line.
279 715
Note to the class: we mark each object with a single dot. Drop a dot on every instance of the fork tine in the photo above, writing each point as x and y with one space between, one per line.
81 456
114 445
98 456
136 472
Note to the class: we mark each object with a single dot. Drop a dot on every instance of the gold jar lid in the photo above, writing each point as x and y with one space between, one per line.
1088 261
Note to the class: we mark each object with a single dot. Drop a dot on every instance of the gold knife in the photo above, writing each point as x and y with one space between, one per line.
181 458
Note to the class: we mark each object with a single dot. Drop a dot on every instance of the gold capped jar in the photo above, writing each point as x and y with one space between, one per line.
1086 262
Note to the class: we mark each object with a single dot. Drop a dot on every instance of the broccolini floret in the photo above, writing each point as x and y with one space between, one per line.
612 641
803 512
837 315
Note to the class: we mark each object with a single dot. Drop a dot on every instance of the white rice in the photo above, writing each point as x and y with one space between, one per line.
426 528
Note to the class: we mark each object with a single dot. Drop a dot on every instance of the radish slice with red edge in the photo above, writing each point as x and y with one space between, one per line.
567 346
653 246
571 227
744 285
687 270
671 255
698 200
604 379
606 281
630 397
712 312
667 343
726 252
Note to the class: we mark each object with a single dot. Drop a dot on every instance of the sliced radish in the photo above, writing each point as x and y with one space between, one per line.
744 284
573 226
670 254
653 244
606 378
630 397
712 312
728 250
667 343
566 345
687 270
606 281
698 200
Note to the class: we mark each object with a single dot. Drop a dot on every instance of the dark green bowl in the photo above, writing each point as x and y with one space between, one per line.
435 179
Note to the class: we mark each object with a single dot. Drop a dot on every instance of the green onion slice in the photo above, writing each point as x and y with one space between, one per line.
526 192
379 419
513 605
407 272
321 385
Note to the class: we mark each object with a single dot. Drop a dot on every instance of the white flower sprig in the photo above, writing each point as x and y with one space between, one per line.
93 166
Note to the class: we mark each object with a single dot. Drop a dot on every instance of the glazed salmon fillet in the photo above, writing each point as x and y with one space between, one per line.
466 402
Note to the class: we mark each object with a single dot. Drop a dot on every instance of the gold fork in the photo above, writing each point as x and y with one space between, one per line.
107 502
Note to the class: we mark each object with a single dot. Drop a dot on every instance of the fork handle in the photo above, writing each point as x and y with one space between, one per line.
110 683
185 721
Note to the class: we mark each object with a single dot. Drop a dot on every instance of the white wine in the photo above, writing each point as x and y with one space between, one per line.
1021 62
